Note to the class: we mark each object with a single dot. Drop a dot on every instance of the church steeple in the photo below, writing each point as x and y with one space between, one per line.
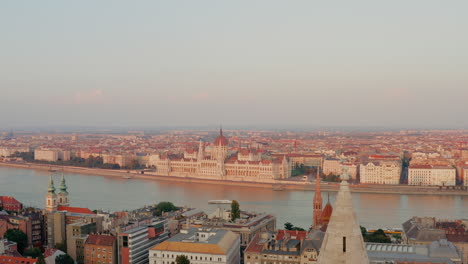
63 194
317 203
63 186
51 189
51 197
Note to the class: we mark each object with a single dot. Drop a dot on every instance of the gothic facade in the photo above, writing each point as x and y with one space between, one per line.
244 165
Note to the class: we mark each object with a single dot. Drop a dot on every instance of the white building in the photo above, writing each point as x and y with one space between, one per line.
8 151
380 172
331 166
465 176
201 246
51 154
137 239
429 175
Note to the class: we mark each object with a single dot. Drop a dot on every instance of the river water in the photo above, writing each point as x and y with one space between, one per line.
112 193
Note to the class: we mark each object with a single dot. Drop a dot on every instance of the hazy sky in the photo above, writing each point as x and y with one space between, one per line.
162 63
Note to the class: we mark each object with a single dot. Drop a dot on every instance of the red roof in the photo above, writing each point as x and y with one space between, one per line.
77 210
326 213
255 245
294 234
221 140
16 260
100 240
49 252
9 200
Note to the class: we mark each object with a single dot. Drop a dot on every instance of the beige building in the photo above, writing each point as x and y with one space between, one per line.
465 176
335 167
332 166
122 160
51 154
8 151
284 246
246 165
76 237
200 246
380 172
429 175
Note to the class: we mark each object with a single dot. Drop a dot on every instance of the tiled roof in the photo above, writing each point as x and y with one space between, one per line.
189 247
100 240
16 260
77 210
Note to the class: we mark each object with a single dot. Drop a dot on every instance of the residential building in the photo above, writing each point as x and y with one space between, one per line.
284 246
51 154
380 172
77 234
440 251
430 175
246 227
200 245
425 230
135 241
465 176
9 203
100 249
332 166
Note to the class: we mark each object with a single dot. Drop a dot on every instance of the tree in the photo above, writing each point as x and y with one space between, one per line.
64 259
61 246
41 260
182 259
235 210
378 236
363 231
289 226
33 252
19 237
163 207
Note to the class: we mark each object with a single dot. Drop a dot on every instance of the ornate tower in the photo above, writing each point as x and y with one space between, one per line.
343 242
201 151
317 203
51 197
63 194
220 147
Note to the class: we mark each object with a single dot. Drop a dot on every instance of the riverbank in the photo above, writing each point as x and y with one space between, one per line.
279 185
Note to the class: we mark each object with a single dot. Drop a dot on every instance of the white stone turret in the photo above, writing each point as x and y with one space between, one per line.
201 151
343 242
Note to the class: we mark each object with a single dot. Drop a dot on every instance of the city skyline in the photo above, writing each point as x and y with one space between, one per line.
262 64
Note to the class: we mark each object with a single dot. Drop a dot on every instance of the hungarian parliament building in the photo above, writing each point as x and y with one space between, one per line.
245 165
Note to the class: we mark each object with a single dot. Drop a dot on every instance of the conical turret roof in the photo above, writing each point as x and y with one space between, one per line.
343 242
51 185
63 185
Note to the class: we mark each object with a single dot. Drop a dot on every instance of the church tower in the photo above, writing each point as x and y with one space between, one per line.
343 242
63 194
51 197
317 203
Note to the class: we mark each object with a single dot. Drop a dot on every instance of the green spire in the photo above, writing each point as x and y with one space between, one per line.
51 185
63 186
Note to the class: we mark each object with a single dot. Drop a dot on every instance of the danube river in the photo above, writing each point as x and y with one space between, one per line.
113 193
